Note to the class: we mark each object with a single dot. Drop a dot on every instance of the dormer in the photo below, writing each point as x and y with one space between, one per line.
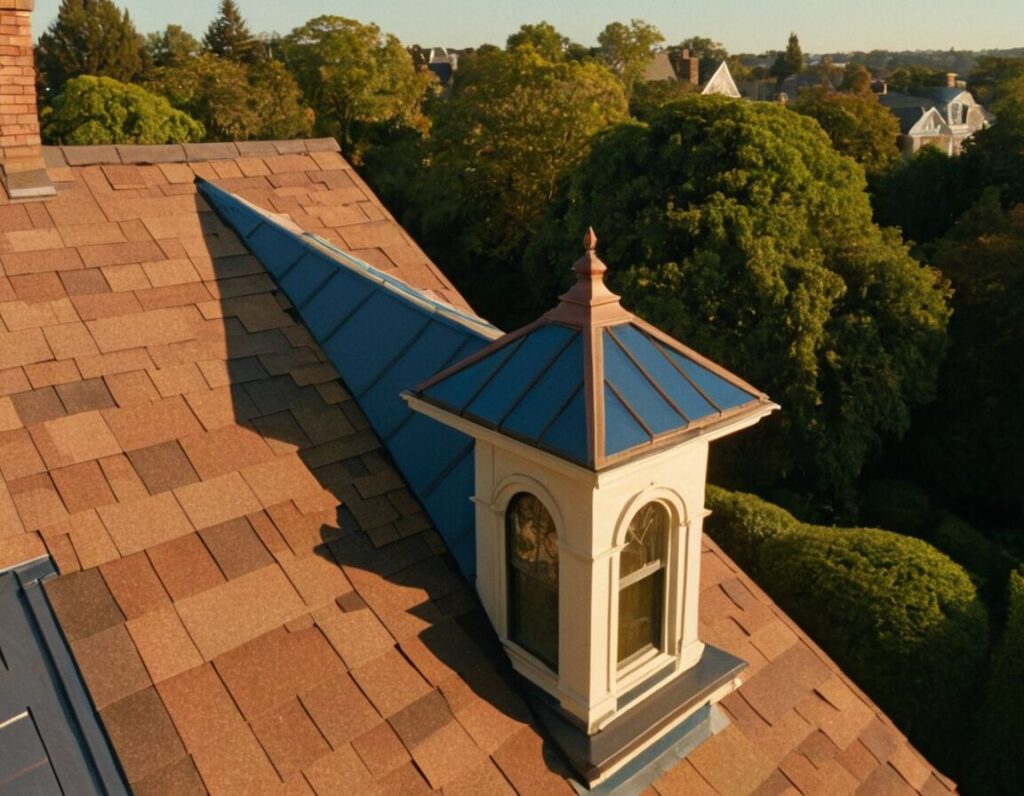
591 432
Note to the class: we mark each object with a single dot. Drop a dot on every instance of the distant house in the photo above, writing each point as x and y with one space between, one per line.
721 83
943 116
443 63
660 68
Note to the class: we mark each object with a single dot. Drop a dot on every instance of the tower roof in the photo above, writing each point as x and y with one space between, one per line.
591 382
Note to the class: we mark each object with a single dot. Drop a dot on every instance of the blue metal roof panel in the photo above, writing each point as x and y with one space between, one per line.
621 431
637 389
653 358
512 380
463 386
383 337
537 409
568 433
721 392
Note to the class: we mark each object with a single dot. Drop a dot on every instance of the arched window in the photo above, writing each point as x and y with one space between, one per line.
642 582
532 578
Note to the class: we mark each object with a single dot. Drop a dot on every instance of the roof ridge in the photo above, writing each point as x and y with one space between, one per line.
138 154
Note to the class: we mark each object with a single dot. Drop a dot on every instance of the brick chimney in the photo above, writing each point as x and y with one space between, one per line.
950 79
21 161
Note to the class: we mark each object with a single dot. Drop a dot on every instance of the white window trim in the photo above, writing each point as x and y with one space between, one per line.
524 661
635 671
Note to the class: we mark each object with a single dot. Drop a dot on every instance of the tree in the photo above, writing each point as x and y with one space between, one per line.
989 72
355 78
907 79
228 36
174 46
858 126
856 80
738 229
514 126
543 37
651 95
995 155
101 110
788 62
236 102
89 37
923 196
628 49
967 442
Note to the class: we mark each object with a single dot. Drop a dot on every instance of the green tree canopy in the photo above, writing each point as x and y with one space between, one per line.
924 195
228 36
788 62
234 101
907 79
89 37
649 96
172 46
355 78
857 124
101 110
856 80
543 37
995 155
628 49
737 228
968 441
989 72
514 126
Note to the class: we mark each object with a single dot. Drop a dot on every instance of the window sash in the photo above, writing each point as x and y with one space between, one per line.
640 574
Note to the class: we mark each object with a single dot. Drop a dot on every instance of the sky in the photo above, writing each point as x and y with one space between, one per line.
741 25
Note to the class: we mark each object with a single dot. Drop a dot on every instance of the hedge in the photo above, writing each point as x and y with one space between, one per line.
998 765
900 617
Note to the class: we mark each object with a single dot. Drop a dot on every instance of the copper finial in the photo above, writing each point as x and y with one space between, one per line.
590 240
589 300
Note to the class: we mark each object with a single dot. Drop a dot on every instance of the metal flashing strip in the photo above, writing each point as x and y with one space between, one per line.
383 337
50 738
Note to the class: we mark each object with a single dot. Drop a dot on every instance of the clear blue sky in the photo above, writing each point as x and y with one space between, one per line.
742 25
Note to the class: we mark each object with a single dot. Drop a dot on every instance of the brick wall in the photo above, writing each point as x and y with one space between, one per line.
19 119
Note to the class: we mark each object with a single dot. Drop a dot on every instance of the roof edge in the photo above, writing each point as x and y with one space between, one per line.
140 154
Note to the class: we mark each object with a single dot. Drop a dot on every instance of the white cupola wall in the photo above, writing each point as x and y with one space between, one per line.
591 432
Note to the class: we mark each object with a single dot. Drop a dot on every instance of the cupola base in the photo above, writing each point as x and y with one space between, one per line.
678 711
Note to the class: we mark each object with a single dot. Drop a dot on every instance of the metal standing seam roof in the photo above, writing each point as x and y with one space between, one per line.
383 337
595 388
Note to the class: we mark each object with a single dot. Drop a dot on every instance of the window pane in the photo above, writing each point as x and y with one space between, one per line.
640 607
533 578
645 539
533 541
534 616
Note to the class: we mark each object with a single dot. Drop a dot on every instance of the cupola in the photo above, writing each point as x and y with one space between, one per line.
591 432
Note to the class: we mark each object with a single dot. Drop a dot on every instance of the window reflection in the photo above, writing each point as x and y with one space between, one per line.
642 582
533 577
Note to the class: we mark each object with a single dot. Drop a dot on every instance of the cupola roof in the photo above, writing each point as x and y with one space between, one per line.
590 382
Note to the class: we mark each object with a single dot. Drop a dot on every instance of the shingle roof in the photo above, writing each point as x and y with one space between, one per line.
256 600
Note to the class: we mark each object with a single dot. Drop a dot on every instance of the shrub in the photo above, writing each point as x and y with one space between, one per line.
897 506
970 548
101 110
899 617
998 766
741 523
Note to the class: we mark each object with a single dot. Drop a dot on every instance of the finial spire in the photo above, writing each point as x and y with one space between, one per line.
582 300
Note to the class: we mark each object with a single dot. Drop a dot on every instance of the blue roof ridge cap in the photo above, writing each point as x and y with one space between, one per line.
353 264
